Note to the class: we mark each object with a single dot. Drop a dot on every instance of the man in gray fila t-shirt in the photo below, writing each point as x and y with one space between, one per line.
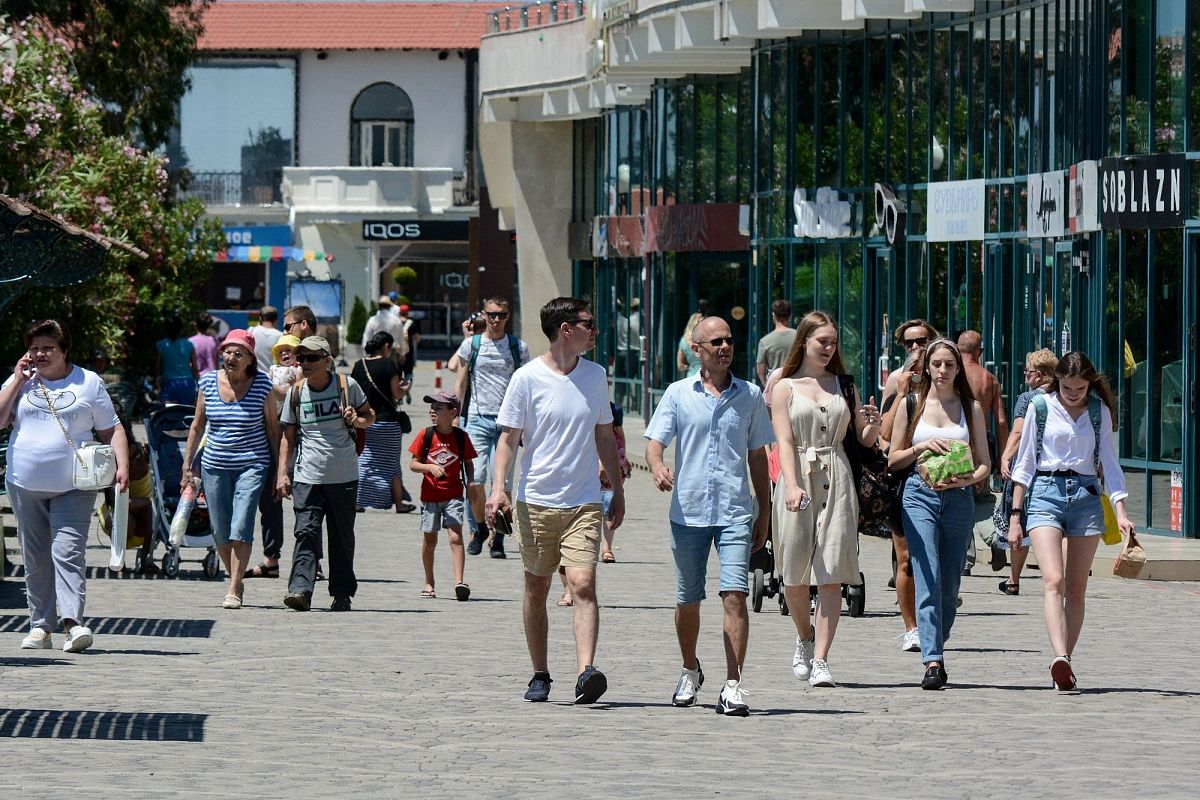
489 360
321 416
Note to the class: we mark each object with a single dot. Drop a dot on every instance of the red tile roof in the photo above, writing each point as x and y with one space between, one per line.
343 26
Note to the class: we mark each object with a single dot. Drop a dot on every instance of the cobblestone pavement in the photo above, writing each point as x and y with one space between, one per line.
407 696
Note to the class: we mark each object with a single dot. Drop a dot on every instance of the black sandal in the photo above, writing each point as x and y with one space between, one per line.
405 508
263 570
1010 588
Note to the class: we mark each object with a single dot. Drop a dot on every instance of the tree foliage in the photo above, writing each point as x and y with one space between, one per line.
358 322
57 154
131 55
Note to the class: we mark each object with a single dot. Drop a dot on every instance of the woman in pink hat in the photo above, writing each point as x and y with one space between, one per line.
237 417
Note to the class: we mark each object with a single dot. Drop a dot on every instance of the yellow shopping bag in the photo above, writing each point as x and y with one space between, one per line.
1112 533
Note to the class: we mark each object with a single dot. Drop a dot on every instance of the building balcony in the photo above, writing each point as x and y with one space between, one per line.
233 189
368 190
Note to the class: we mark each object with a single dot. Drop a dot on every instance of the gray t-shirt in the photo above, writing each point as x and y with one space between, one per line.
326 445
493 370
773 348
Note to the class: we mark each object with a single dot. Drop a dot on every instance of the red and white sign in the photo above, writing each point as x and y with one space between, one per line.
1177 501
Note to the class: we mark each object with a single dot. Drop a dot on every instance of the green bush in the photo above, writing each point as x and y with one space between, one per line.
358 322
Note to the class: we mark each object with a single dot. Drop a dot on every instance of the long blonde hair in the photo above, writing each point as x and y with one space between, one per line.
692 322
795 357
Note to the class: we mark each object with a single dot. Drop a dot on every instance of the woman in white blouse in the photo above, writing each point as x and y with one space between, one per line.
1058 468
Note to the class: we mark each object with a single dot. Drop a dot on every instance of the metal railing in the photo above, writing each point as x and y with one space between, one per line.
533 15
235 188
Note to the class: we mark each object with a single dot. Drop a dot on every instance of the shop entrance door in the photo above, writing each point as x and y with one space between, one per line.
1189 501
1043 317
721 279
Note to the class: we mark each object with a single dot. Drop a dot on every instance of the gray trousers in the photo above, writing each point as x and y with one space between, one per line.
52 528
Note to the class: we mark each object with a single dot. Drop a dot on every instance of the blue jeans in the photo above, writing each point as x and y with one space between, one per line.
691 545
938 527
484 433
232 497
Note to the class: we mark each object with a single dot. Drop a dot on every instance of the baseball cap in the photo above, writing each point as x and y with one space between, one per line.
384 300
404 309
315 343
240 337
442 397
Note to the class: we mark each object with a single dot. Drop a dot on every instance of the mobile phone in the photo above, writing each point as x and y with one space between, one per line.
805 502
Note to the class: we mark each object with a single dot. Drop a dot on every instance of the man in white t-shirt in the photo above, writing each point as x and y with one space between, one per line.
559 404
265 337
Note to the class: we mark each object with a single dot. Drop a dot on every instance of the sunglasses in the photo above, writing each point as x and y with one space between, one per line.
287 326
920 341
720 341
496 314
310 358
589 323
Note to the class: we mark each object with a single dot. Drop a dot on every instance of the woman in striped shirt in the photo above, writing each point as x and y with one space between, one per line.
236 415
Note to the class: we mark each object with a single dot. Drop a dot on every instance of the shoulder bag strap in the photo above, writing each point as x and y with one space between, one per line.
427 438
460 438
371 380
514 349
58 419
1094 413
1040 410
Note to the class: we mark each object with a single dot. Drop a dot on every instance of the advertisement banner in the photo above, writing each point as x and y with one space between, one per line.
1083 206
1142 191
1045 210
955 211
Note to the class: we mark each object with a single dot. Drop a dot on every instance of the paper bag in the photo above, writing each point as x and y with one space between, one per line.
1131 559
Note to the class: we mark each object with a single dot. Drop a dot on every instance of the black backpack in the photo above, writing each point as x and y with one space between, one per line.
460 441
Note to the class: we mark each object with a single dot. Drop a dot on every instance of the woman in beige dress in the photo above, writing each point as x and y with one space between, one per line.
816 501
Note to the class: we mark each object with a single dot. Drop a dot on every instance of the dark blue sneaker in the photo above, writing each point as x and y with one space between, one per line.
539 688
590 686
475 546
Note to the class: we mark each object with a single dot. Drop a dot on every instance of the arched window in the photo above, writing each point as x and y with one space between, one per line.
381 127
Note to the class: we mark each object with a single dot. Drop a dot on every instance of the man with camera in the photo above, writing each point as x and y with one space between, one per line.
488 361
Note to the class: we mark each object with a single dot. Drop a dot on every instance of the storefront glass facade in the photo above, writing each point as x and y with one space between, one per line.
1011 91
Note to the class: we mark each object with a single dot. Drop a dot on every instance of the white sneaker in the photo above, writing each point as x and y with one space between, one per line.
690 681
732 702
79 639
820 674
802 660
912 641
38 639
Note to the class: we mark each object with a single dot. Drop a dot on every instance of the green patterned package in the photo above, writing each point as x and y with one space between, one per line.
935 468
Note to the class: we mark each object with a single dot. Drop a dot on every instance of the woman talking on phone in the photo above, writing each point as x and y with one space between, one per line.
1067 443
53 407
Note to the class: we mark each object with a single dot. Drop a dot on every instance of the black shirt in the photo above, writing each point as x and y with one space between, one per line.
378 386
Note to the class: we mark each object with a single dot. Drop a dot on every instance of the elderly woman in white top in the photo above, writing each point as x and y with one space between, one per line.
1067 444
53 407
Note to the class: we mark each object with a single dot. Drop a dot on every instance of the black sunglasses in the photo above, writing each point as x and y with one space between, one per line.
920 341
309 358
590 324
496 314
719 341
289 325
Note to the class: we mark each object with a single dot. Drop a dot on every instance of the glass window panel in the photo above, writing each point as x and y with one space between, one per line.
943 64
879 81
686 122
378 150
849 315
705 152
919 93
1139 76
1193 68
383 101
897 117
395 156
1169 99
1135 299
829 105
1164 434
805 125
745 134
853 92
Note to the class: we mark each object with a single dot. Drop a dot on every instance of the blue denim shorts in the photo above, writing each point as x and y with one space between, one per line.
691 547
435 516
1071 504
232 497
606 497
485 435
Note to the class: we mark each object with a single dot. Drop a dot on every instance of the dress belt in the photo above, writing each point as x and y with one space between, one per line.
811 455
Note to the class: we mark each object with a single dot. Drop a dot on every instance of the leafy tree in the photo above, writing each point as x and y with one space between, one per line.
131 55
60 158
357 323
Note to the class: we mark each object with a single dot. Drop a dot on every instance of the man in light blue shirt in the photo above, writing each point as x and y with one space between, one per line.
721 430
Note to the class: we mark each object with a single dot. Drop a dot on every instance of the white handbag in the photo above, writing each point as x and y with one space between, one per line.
95 464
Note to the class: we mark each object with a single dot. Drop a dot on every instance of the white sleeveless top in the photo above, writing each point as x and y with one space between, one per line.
924 431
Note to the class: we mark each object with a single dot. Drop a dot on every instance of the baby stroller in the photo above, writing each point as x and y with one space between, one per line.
167 432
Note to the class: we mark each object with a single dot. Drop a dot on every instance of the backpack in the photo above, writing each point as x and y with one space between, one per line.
1004 508
514 348
358 435
460 441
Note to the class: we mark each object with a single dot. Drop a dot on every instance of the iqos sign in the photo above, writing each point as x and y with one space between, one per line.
415 230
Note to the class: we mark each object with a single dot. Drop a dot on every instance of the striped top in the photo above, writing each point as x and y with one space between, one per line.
237 436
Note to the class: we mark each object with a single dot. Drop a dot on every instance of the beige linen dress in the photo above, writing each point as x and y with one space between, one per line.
818 545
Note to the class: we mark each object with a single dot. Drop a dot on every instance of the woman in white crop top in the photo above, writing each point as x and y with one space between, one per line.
938 520
1061 479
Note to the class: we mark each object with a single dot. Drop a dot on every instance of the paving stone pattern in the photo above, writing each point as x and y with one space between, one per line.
412 697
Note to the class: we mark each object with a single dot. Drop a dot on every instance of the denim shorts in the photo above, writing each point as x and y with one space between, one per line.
691 545
606 497
1071 504
435 516
485 435
232 497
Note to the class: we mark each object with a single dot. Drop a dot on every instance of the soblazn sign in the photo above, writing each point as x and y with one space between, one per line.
1142 191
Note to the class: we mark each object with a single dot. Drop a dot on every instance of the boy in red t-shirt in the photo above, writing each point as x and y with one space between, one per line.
443 453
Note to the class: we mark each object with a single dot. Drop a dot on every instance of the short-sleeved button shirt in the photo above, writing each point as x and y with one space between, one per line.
712 437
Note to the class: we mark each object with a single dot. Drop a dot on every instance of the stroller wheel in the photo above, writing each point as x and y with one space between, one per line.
856 597
758 590
170 563
212 566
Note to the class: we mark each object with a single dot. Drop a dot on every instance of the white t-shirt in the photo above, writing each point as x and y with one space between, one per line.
558 414
39 458
264 339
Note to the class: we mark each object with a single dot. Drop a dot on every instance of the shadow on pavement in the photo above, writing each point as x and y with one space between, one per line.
33 661
107 652
605 705
127 626
121 726
989 650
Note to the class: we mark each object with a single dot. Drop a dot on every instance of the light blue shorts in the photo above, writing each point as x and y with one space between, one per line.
691 547
435 516
232 497
1071 504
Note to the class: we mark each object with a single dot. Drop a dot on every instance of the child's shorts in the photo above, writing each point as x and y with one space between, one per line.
435 516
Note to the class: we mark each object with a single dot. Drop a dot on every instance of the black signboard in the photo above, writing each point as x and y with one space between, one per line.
415 230
1142 191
